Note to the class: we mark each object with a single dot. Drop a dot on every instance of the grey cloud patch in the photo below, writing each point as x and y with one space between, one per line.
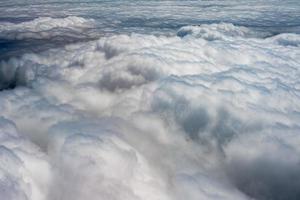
270 170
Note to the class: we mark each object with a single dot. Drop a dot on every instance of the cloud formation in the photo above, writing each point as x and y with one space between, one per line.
46 28
212 114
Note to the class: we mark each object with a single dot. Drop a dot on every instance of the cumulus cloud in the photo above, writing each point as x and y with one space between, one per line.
271 169
46 28
153 117
218 31
24 169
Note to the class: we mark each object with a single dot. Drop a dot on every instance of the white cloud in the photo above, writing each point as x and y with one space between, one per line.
46 28
149 117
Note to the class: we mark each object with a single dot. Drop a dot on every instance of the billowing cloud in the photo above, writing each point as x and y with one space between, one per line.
46 28
212 114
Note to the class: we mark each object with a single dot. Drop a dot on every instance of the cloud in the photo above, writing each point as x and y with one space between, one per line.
271 169
218 31
153 117
24 169
46 28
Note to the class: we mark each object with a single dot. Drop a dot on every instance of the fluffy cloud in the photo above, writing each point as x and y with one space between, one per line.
46 28
154 117
24 169
217 31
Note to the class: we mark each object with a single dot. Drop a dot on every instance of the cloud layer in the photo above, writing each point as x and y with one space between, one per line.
46 28
212 113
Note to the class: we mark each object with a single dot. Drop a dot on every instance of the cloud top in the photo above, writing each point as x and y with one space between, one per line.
46 28
213 114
